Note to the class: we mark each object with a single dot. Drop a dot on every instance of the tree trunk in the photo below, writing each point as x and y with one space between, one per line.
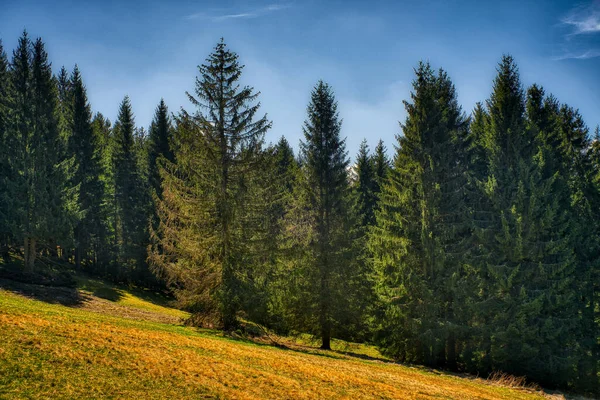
5 248
29 245
451 352
325 307
326 337
78 257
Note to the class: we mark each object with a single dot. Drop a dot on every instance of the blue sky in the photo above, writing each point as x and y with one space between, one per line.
366 50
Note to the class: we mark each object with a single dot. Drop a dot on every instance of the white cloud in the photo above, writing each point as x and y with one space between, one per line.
579 56
255 13
584 20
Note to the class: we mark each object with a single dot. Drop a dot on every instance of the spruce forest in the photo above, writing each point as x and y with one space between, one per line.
470 245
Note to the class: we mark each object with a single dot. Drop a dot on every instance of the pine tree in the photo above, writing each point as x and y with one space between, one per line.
65 103
159 145
128 207
417 243
107 254
324 215
41 204
5 104
209 195
365 186
382 165
577 158
529 299
89 232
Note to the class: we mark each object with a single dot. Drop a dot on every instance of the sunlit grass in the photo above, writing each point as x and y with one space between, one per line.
52 351
137 298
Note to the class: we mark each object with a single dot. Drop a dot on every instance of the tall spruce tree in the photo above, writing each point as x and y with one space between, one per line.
128 207
159 145
65 103
89 232
107 254
577 159
417 242
365 186
382 165
5 106
41 204
208 192
324 214
528 280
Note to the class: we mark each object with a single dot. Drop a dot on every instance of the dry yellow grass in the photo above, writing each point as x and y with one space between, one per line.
52 351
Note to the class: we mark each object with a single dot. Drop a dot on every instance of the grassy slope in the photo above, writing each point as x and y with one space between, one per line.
116 348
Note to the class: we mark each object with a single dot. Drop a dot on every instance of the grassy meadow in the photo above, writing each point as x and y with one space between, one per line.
114 342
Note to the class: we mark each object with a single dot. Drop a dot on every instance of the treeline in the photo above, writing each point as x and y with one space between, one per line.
475 249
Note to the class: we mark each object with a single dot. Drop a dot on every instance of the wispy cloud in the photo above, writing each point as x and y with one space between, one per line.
584 19
246 14
578 56
581 31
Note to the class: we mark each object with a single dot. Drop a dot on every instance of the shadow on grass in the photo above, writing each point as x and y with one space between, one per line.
300 348
114 291
65 296
108 293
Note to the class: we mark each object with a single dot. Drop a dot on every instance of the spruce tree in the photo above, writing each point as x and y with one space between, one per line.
128 207
365 186
159 145
107 254
577 158
5 106
209 195
324 188
382 165
528 280
89 232
40 201
65 103
417 242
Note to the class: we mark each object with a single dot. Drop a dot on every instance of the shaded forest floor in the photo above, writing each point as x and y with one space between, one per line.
99 340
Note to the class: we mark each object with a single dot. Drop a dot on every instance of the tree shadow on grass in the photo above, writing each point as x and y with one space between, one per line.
108 293
299 348
65 296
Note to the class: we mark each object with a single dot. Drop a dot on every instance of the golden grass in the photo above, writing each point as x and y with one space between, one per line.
140 299
52 351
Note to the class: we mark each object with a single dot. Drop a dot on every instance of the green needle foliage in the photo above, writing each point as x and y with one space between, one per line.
208 193
420 228
89 233
37 193
319 226
476 249
128 206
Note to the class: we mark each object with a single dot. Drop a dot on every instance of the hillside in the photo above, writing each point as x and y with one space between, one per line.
111 342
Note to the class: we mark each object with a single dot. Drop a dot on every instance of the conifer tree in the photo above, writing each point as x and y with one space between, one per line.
41 204
208 194
103 134
365 186
5 105
128 205
322 221
65 103
530 265
577 160
417 241
382 165
159 145
89 232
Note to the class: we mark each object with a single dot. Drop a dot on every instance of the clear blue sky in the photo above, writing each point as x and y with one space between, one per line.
365 49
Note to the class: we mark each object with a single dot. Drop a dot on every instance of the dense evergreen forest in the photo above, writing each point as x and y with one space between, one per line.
475 248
